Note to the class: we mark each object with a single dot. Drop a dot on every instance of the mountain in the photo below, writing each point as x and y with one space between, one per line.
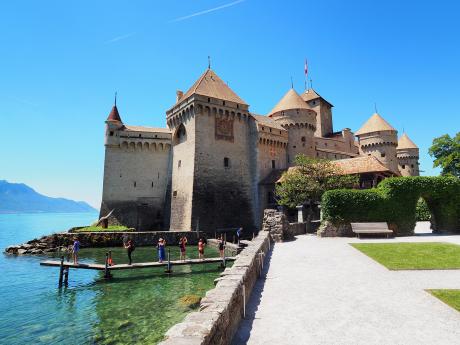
20 198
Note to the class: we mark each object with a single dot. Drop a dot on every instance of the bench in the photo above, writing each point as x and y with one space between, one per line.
371 228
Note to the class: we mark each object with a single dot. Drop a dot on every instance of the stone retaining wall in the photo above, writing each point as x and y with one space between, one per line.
60 241
221 309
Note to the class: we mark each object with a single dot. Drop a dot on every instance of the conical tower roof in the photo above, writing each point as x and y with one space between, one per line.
114 115
405 143
210 85
291 100
376 123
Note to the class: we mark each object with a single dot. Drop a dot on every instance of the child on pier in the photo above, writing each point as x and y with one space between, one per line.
182 244
75 249
161 250
201 245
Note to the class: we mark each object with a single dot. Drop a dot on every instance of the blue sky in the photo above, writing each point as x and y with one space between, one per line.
62 61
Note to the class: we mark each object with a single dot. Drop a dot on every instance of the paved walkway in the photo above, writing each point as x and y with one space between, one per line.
323 291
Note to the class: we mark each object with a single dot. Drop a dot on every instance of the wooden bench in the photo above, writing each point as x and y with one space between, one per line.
371 228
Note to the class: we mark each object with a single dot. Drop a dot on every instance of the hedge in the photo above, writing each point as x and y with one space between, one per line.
394 201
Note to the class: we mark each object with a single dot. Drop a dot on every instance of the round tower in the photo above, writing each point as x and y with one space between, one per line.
408 154
299 120
113 124
379 139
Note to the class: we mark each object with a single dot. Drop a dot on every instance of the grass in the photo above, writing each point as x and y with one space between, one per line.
449 296
99 228
413 256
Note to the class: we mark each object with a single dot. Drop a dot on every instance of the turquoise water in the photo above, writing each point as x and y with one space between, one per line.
135 307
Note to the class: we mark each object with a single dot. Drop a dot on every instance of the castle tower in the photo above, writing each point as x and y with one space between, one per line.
379 139
323 110
214 158
408 154
136 175
299 120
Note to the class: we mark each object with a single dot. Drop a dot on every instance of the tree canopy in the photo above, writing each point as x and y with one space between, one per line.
446 153
309 179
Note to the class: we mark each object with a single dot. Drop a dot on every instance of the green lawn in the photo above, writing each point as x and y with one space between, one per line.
413 256
99 228
449 296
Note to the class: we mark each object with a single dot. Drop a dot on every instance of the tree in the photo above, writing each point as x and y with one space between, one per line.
446 151
309 180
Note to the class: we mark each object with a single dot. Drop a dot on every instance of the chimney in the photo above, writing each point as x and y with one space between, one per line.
179 95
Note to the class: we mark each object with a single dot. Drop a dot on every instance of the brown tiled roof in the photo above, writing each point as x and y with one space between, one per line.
376 123
405 143
114 115
361 164
210 85
267 121
291 100
310 95
146 129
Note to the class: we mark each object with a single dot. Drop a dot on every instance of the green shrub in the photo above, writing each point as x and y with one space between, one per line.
422 212
394 201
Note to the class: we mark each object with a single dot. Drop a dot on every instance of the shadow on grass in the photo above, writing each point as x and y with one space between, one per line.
244 329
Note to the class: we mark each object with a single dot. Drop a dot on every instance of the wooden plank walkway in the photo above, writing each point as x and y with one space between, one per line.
101 267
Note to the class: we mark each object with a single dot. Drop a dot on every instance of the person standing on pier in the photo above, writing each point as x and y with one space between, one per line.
161 250
75 249
201 249
182 244
130 249
221 246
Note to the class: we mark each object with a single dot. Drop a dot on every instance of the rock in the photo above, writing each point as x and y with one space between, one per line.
190 301
22 251
26 246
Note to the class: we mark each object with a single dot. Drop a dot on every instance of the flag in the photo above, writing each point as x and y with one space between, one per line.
306 68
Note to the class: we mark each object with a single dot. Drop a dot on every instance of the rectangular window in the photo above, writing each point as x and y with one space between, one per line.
175 193
111 133
273 164
179 163
226 162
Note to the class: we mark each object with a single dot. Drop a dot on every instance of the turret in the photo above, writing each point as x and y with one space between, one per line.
379 139
408 154
113 124
323 110
299 120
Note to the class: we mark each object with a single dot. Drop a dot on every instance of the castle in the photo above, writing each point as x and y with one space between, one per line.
216 164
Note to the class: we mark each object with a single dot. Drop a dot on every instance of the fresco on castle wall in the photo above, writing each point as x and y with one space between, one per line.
224 129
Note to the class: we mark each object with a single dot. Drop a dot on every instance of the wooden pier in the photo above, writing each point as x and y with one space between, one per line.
66 265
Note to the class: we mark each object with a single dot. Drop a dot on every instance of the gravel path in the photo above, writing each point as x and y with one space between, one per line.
323 291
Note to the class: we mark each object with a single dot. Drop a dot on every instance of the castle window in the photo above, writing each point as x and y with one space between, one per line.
152 184
237 106
404 166
139 135
273 164
382 154
226 162
111 133
175 193
294 147
209 100
412 165
270 130
303 139
223 102
263 128
179 163
282 113
134 184
280 132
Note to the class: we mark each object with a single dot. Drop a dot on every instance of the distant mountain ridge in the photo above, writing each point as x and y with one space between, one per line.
20 198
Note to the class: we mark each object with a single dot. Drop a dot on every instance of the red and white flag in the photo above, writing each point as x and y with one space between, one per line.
306 68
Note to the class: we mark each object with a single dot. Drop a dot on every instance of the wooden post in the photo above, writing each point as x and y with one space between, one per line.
66 276
107 274
61 270
168 267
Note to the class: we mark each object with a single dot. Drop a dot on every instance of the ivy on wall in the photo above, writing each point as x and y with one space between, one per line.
395 200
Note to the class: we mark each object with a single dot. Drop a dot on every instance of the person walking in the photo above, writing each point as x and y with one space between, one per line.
130 249
221 246
75 250
182 244
161 250
201 245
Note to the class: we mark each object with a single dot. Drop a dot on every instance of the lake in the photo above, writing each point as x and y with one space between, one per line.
135 307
